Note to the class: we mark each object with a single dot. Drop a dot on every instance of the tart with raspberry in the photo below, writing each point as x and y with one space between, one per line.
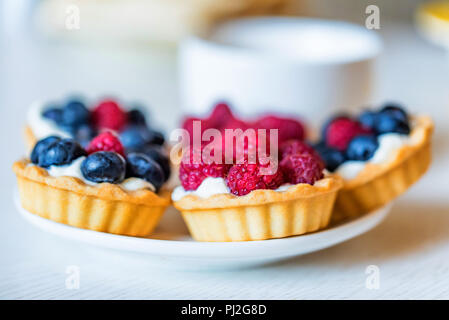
253 200
379 154
100 187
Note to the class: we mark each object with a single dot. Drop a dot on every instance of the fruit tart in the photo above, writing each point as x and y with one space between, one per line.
379 154
100 187
251 198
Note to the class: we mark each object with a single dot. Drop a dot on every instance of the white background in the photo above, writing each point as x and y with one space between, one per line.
411 247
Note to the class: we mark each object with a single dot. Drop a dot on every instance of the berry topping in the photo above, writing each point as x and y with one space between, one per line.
187 124
331 120
109 115
235 124
192 174
135 116
134 137
74 114
156 138
288 128
220 116
246 147
367 118
60 152
244 178
341 130
53 113
331 157
395 111
84 134
362 148
158 154
141 166
295 146
302 168
104 166
40 146
190 178
392 119
68 129
106 141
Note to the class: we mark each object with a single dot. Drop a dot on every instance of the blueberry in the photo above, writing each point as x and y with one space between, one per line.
158 154
75 114
104 166
53 113
68 129
367 118
136 117
60 153
156 138
332 158
388 122
362 148
141 166
42 145
395 111
135 137
84 134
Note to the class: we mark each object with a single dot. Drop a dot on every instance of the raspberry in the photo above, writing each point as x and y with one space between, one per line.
288 128
250 146
302 168
106 141
295 146
190 179
109 115
340 132
244 178
291 147
187 124
235 124
220 116
192 174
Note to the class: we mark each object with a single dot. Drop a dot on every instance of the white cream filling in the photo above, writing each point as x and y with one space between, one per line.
74 170
389 143
209 187
134 183
69 170
41 126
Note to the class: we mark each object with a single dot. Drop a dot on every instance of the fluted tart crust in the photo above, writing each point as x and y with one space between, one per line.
261 214
104 207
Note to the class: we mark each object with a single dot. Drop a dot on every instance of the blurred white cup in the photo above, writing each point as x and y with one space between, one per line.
308 67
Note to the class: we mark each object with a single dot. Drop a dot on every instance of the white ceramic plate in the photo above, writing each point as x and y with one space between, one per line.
172 244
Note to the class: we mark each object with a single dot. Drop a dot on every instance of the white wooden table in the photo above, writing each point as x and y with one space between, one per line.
411 247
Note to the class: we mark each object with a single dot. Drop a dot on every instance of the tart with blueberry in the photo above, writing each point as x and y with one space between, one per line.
379 154
99 187
255 200
75 119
